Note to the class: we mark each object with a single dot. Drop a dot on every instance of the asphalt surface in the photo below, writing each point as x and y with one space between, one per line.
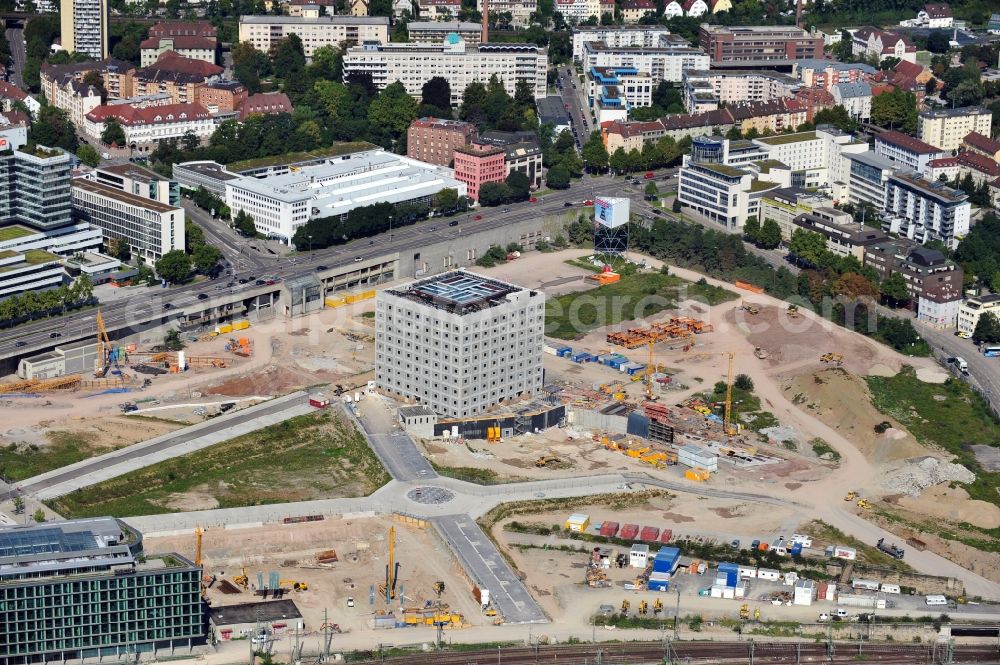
147 306
575 102
487 568
18 56
985 372
398 453
177 439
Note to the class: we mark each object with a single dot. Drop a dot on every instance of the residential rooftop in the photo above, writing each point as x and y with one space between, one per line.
125 197
933 188
302 20
907 142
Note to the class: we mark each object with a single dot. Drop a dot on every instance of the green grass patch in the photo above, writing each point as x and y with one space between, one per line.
634 296
21 460
471 474
14 232
821 447
37 256
870 554
307 457
948 415
294 157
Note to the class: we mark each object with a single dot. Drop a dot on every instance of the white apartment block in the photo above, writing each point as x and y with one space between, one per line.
581 10
84 26
906 151
150 228
280 204
868 175
945 128
638 36
520 10
665 62
706 90
972 308
923 210
856 98
265 31
459 343
459 63
613 91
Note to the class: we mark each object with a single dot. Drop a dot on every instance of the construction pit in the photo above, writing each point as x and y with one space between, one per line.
302 553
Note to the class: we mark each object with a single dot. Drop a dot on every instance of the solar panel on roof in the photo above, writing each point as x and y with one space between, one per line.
461 289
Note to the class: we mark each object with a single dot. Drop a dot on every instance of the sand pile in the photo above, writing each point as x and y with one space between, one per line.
918 474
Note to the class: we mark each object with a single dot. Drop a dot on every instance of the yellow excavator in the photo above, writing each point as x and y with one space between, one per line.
851 496
296 586
546 460
625 606
242 579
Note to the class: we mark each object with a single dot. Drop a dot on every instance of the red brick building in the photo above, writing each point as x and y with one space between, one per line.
476 165
434 141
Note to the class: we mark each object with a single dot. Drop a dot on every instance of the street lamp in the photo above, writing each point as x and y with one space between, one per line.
310 243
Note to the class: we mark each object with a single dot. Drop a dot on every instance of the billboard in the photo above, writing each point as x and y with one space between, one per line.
611 212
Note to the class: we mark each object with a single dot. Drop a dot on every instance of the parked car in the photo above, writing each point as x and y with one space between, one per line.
55 335
321 267
202 296
453 222
19 343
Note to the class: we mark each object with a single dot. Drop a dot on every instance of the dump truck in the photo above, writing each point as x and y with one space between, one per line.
891 550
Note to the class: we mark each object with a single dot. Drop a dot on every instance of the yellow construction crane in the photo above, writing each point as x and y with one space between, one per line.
103 344
727 423
197 547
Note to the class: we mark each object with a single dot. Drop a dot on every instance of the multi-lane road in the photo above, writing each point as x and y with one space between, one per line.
18 56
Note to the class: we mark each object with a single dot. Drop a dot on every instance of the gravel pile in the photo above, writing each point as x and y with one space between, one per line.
781 434
918 475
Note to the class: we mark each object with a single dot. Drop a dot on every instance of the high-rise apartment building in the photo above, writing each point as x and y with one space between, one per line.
459 343
459 63
636 36
34 187
759 43
84 26
923 210
84 589
945 128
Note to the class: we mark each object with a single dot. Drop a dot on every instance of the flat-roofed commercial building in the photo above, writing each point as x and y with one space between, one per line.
150 228
707 90
972 308
266 31
84 589
667 61
635 36
458 63
459 343
759 43
280 204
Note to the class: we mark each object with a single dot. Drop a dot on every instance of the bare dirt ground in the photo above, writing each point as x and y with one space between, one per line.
362 548
100 433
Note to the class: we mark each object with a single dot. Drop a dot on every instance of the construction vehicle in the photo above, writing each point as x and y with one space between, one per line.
546 460
750 308
392 568
643 607
756 614
295 586
109 355
657 606
793 312
851 496
197 560
832 358
891 550
863 504
625 606
744 612
760 353
242 579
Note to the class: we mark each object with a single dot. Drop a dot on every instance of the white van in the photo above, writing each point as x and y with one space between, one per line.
841 613
936 600
890 588
962 365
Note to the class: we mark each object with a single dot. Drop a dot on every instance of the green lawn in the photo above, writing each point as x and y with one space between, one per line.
307 457
635 296
38 256
21 460
293 157
12 232
947 415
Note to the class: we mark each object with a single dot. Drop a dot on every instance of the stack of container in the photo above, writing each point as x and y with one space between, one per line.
664 564
564 351
632 368
609 529
693 456
630 532
650 534
616 361
580 357
666 535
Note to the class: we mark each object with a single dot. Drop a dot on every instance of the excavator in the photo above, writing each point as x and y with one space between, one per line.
625 606
295 585
851 496
546 460
657 606
643 607
242 579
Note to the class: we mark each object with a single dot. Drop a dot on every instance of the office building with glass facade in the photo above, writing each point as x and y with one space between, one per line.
82 589
34 187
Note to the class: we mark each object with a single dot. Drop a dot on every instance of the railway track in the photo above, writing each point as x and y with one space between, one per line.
763 653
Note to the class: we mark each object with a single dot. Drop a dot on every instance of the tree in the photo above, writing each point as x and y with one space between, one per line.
473 108
244 224
595 155
518 186
393 111
205 258
836 116
39 515
931 86
437 93
53 128
288 57
743 382
896 109
113 133
618 161
938 41
174 266
95 80
894 290
651 189
751 229
88 155
807 246
446 199
493 194
557 177
854 286
190 140
987 329
770 234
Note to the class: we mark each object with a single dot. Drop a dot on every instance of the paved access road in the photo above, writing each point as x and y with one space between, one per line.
18 56
393 446
487 568
88 472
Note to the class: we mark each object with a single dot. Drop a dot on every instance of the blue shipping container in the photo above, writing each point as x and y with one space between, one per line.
564 351
732 578
727 567
659 585
635 370
796 549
